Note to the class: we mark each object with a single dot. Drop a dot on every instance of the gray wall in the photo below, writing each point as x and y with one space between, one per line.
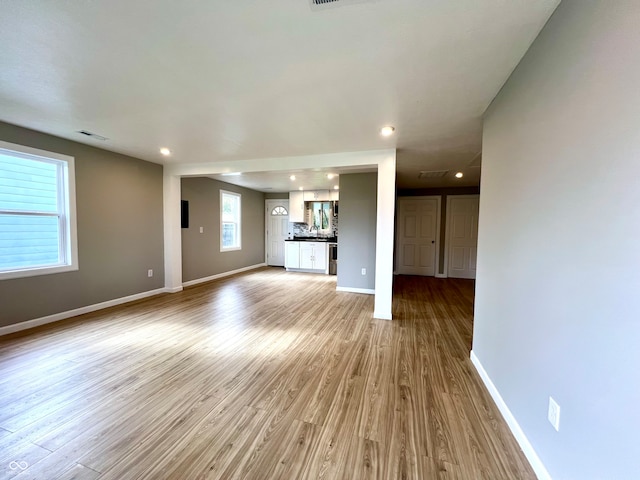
201 256
276 195
119 217
357 236
443 193
557 309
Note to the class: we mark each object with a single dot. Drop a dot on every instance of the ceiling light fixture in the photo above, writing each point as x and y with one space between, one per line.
165 151
387 131
300 188
336 187
292 177
330 176
459 175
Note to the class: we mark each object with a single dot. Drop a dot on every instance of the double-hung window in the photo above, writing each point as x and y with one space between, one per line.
37 212
230 221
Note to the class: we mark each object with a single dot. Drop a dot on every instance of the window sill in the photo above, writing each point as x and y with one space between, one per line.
35 272
230 249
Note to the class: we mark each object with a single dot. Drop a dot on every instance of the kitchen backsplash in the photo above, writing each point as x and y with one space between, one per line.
302 229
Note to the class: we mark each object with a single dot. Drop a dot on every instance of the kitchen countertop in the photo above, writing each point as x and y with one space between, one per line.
313 239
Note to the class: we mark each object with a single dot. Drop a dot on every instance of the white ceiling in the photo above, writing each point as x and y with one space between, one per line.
225 80
305 179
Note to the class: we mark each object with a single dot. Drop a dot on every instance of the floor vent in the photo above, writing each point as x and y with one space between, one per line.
432 173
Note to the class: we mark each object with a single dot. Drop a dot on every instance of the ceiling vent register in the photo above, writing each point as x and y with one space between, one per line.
92 135
325 4
432 173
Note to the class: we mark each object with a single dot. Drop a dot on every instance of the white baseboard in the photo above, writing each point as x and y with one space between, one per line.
441 275
36 322
173 290
368 291
537 465
382 316
221 275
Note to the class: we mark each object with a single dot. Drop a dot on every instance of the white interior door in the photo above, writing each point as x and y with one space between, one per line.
277 226
417 235
462 235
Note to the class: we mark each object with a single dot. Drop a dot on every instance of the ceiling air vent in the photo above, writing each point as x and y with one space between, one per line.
432 173
326 4
92 135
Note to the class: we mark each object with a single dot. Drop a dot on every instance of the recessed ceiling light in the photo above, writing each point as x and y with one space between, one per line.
336 187
459 175
165 151
330 176
292 177
231 174
300 188
387 131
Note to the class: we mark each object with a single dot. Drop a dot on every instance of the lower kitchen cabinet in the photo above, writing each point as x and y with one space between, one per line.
308 256
292 254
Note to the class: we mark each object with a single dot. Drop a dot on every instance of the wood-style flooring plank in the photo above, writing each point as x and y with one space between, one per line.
262 375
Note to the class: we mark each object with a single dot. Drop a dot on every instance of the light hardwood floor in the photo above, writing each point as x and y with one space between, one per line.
264 375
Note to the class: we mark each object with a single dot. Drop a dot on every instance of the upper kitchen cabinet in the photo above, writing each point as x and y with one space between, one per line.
317 196
296 207
335 195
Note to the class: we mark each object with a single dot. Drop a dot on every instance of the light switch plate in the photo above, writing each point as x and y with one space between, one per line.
554 414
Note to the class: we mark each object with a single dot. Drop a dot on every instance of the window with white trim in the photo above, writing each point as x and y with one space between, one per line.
37 212
230 221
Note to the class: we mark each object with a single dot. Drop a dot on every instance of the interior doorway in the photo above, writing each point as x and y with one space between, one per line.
462 235
418 235
276 230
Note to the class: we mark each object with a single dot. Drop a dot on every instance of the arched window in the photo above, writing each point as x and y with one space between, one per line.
279 211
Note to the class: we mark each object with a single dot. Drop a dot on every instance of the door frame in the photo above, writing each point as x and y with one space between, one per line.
447 229
267 214
438 198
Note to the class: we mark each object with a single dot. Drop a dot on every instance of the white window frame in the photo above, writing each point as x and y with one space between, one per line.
68 239
239 221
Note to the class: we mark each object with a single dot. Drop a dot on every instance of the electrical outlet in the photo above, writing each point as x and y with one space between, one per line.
201 229
554 414
364 271
150 273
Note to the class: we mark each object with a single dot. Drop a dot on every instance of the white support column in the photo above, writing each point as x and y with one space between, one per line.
172 233
384 237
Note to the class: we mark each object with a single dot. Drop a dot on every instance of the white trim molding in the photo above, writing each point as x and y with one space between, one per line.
222 275
56 317
537 465
367 291
382 316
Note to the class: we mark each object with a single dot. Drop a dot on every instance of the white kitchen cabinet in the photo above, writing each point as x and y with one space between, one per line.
296 207
317 196
335 195
306 256
320 256
313 255
292 254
